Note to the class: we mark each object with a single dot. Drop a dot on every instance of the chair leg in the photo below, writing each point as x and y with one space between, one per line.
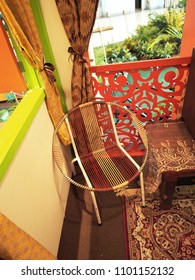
142 189
73 166
96 208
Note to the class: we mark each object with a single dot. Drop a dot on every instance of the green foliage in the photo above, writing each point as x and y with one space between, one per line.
115 53
160 38
118 53
175 18
182 4
99 55
158 20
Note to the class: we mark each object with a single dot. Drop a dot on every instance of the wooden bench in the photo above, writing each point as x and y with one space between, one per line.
172 146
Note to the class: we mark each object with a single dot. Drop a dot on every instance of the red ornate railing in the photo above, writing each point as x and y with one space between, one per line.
152 89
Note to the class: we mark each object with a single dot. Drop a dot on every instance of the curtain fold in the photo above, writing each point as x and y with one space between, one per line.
19 18
78 17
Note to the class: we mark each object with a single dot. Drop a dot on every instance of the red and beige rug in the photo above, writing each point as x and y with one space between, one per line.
155 234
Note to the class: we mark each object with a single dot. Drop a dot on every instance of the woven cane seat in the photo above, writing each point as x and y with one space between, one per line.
104 162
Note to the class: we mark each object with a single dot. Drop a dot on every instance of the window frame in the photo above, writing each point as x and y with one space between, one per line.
15 128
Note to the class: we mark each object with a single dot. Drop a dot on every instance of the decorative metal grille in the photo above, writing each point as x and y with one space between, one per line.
151 89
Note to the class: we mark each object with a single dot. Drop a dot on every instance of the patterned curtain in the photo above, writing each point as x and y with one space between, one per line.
19 18
78 18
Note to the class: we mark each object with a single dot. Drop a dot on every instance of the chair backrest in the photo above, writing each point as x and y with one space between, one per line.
188 111
91 127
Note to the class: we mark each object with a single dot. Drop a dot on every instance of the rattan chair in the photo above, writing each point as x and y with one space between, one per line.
104 162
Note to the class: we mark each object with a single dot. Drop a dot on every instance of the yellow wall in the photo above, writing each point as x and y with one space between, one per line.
59 44
33 193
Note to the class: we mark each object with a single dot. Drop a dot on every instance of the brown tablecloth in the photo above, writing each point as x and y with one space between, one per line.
171 148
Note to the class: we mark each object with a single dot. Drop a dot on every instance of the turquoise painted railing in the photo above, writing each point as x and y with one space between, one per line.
152 89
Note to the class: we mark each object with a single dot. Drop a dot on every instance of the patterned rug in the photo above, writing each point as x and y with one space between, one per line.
155 234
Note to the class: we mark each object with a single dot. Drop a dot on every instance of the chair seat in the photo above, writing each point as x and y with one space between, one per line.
171 148
109 168
104 162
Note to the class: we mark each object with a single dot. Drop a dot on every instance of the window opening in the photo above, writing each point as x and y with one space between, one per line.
114 37
12 81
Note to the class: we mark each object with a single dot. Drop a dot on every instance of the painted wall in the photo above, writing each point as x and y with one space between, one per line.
33 192
153 4
59 44
188 37
113 8
11 77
